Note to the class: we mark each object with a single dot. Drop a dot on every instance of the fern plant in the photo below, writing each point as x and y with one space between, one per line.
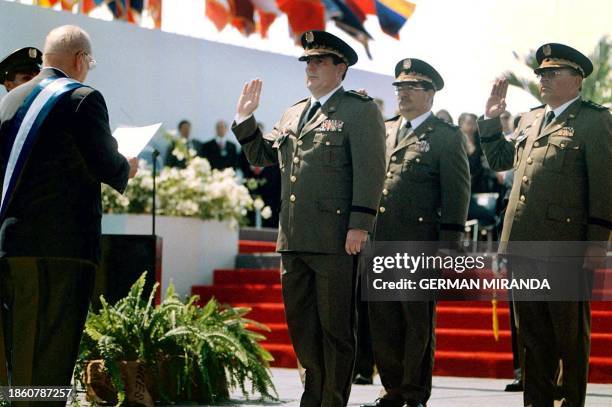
191 353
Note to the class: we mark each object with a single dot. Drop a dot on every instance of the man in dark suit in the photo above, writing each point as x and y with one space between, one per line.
19 67
220 152
184 131
50 213
331 154
562 191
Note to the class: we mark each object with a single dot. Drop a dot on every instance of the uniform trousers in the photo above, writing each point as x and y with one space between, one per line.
404 340
552 331
43 307
319 297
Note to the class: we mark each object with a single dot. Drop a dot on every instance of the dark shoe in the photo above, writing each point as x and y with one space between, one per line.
516 385
359 379
383 403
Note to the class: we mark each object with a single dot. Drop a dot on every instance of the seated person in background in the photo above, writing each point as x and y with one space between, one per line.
184 130
220 152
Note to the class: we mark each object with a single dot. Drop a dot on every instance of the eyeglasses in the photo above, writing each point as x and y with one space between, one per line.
408 87
91 62
550 74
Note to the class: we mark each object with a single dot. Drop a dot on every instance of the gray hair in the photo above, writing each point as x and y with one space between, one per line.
67 39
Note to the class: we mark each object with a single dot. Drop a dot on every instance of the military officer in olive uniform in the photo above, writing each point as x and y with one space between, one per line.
425 198
19 67
330 148
562 191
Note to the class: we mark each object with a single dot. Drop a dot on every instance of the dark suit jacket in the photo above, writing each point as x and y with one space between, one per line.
55 209
211 151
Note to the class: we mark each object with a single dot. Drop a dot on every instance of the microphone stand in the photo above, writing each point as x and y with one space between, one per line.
155 155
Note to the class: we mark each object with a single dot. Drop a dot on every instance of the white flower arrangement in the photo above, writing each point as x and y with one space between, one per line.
195 191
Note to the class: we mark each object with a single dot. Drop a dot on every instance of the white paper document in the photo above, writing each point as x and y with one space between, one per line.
132 140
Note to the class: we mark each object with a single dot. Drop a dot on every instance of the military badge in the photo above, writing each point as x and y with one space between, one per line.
565 132
422 146
332 125
546 49
407 63
32 53
309 36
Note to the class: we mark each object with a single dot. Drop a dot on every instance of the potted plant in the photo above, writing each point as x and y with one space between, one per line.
136 353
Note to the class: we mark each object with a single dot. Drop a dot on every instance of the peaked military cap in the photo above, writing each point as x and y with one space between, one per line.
415 70
316 43
561 56
23 59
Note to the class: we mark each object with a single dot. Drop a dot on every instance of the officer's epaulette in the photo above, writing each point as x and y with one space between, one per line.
537 107
358 95
593 105
300 101
394 118
447 124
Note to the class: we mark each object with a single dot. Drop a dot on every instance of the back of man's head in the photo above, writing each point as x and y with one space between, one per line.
65 48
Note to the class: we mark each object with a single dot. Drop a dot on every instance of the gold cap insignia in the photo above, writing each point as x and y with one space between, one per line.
32 53
546 49
309 37
407 63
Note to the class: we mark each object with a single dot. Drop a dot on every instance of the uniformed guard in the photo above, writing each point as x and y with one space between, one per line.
19 67
425 198
562 191
330 148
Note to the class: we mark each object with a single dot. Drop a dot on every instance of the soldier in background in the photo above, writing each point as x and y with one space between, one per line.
331 153
19 67
562 191
425 198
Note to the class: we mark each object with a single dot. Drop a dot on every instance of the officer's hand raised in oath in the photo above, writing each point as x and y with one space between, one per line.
249 98
496 104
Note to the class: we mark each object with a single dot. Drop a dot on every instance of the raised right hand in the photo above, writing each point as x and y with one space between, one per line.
496 104
249 98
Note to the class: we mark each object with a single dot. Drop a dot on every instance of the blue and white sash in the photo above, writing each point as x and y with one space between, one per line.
25 128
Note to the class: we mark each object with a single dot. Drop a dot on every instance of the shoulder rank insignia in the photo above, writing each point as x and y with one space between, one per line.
593 105
358 95
537 107
331 125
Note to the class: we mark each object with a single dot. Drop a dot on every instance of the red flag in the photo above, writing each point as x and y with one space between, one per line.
88 5
303 15
267 13
218 13
242 13
366 6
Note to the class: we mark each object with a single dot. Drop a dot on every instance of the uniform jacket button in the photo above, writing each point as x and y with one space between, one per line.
382 209
292 198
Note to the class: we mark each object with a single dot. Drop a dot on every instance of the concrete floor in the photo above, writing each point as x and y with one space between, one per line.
447 392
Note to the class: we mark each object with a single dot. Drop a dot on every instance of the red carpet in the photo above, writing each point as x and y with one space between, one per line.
465 343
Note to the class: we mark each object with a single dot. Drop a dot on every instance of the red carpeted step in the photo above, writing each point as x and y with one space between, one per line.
283 355
601 321
256 246
600 369
278 334
473 364
231 294
472 340
471 318
265 312
246 276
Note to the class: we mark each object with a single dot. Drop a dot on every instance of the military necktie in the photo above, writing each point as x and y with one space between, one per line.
313 110
404 131
550 116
